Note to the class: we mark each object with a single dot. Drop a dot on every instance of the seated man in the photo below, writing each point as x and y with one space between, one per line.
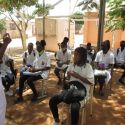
104 61
7 75
63 57
28 57
120 59
39 70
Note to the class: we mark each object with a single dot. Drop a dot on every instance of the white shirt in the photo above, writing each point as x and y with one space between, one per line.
29 57
4 69
120 56
1 85
84 71
63 57
106 59
42 62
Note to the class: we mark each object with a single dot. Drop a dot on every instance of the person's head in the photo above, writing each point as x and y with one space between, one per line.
105 46
41 45
122 44
66 39
80 56
37 42
63 46
88 46
30 47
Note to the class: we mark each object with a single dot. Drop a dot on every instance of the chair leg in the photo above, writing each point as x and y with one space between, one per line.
43 91
83 116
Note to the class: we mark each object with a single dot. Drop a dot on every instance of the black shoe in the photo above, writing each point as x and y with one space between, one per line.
18 100
121 81
34 98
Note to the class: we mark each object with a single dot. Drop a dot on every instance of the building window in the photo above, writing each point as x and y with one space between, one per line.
12 26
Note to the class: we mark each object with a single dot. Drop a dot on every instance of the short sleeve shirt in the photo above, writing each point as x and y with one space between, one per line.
106 59
84 71
42 62
63 57
29 57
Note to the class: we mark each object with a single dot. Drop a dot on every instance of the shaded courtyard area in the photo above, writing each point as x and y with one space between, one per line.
108 110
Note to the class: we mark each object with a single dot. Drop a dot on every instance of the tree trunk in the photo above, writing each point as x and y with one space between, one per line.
24 39
101 23
23 36
21 30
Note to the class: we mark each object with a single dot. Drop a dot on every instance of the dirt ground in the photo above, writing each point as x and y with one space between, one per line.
108 110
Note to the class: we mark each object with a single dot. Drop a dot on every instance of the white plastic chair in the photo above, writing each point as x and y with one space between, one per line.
43 92
84 103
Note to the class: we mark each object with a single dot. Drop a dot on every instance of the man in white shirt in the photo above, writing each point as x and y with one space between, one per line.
104 61
63 58
39 70
6 41
28 57
120 59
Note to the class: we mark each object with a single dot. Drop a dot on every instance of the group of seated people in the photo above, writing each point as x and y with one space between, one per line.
78 75
102 62
36 65
81 75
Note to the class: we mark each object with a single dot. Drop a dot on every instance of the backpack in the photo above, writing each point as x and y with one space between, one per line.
33 54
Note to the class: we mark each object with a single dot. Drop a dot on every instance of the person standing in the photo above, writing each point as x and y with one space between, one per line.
6 41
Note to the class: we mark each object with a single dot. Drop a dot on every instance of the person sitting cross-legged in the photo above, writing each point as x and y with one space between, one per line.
40 70
63 58
120 59
80 76
104 62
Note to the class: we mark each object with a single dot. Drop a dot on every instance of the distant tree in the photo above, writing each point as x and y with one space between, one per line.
88 5
116 15
77 15
40 11
19 12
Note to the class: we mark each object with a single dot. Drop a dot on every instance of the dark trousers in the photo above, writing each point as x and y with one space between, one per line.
74 101
101 80
29 80
57 72
8 80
